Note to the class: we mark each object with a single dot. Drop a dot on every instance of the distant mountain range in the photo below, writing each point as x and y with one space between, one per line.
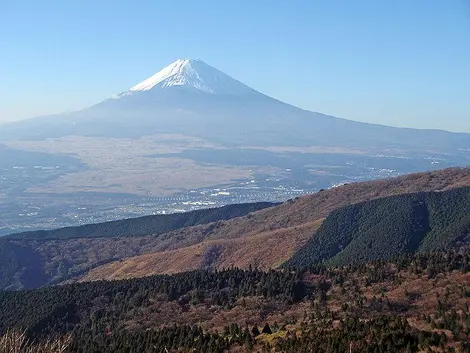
190 97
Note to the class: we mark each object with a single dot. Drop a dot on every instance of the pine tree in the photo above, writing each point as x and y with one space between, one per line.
267 329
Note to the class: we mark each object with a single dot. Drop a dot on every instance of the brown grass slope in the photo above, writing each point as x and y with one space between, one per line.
268 237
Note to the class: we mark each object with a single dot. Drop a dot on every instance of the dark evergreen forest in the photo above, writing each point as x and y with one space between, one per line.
147 225
389 227
95 312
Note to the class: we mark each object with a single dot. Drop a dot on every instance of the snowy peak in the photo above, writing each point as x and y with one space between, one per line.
175 74
192 73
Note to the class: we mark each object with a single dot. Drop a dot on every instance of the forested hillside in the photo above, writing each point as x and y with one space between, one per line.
147 225
34 259
415 303
389 227
337 294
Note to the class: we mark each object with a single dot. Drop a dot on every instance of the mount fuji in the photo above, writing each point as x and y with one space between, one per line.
193 98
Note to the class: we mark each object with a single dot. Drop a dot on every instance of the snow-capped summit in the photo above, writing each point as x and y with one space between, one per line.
192 73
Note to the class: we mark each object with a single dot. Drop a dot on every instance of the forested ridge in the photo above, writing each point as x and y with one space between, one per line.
134 227
33 259
389 227
414 303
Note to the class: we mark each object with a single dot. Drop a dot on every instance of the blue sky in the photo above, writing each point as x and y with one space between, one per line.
400 62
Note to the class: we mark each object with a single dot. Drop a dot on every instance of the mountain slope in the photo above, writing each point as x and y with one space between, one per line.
192 98
389 227
37 258
265 238
417 303
265 250
268 238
